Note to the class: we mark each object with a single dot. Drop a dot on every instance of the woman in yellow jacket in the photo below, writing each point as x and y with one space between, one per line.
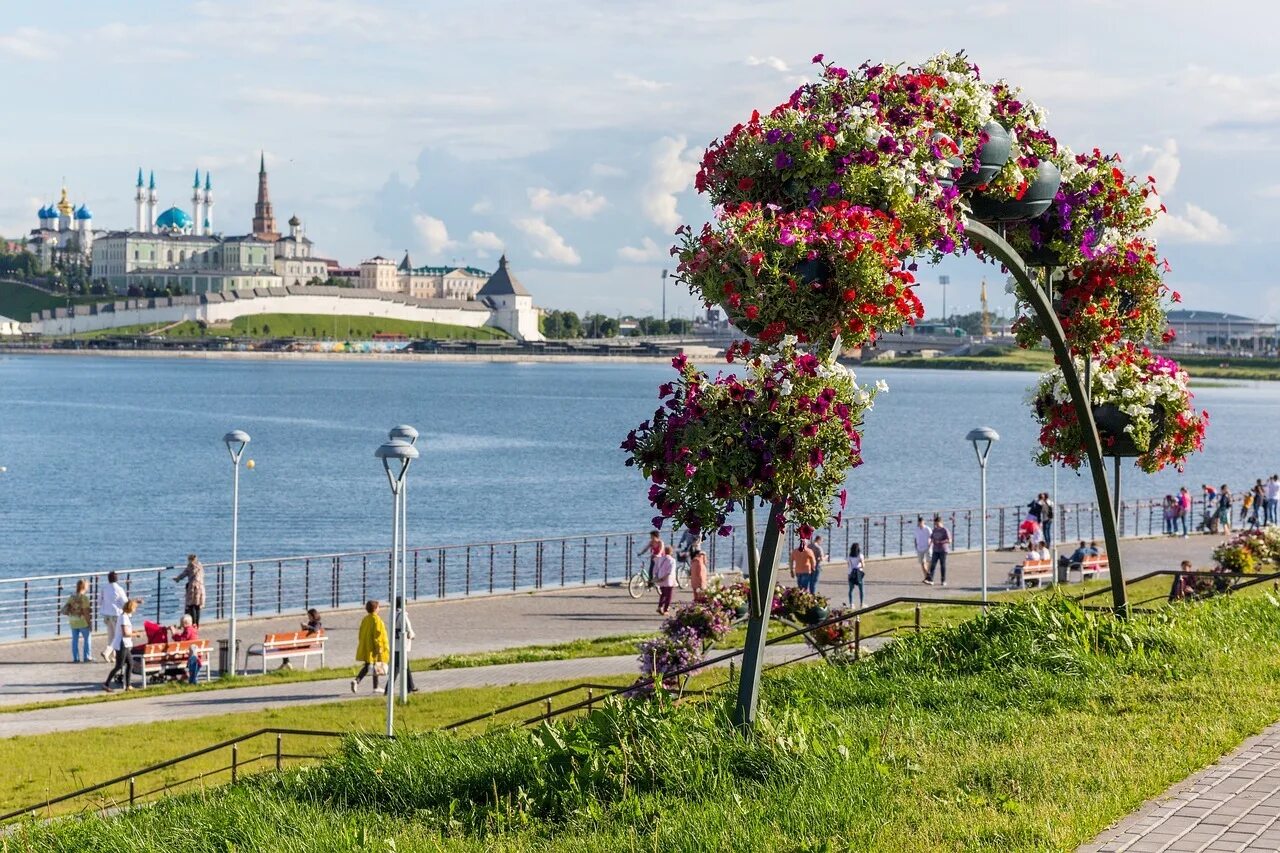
373 648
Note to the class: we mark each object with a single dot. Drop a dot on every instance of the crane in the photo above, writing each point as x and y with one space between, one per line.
986 316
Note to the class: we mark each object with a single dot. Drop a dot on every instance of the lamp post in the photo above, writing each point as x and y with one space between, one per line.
943 281
236 441
664 300
396 455
404 432
982 438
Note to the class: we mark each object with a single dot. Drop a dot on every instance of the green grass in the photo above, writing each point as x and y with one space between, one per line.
350 328
1029 729
1041 360
19 302
574 649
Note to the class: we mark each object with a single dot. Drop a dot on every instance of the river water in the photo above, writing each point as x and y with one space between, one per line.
117 462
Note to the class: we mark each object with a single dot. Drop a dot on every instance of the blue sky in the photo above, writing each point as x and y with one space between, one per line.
566 133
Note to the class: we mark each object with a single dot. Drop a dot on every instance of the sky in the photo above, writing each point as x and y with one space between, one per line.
567 133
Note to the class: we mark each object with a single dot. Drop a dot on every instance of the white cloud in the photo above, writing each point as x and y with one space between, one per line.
29 43
673 168
547 242
485 241
769 62
604 170
646 251
639 84
432 231
1194 225
584 204
1163 164
482 206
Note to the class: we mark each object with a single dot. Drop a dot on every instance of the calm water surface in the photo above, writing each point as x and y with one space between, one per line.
116 462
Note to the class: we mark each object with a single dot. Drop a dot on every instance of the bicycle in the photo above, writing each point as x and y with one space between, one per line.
642 580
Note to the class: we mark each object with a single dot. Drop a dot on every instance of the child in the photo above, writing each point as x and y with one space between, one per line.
373 649
665 576
856 573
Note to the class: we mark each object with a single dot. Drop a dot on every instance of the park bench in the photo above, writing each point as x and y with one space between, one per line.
1093 566
156 659
1035 570
291 644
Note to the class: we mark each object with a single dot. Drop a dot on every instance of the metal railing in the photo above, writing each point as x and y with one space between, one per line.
544 702
276 585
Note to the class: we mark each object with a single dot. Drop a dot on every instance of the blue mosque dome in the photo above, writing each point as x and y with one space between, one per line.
44 213
175 218
83 213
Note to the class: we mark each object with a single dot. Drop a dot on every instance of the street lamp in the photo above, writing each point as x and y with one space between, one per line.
396 455
236 441
404 432
664 301
982 438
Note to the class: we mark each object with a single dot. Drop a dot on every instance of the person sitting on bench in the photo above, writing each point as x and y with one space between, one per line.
1076 558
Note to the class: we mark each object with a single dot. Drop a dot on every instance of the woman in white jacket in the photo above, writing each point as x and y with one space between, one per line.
404 625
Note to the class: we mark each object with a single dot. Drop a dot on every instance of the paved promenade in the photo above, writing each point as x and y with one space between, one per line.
1233 805
38 671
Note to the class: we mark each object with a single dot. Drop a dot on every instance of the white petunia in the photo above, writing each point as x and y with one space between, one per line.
882 386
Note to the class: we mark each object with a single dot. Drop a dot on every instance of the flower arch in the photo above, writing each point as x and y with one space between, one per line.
824 206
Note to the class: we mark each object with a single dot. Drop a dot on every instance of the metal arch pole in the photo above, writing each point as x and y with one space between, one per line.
998 248
762 572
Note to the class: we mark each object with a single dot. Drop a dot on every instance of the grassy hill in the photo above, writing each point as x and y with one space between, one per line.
323 326
1031 728
19 302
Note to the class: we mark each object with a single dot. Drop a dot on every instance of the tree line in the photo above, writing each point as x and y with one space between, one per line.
562 325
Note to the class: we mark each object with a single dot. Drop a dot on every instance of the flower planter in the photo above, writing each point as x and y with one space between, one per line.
741 610
750 328
815 615
1034 201
1111 429
991 156
1042 256
811 272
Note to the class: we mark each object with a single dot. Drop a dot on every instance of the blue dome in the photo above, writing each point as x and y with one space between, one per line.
175 218
83 213
44 213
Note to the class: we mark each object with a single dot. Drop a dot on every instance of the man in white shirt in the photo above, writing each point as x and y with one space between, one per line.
111 599
922 545
1272 499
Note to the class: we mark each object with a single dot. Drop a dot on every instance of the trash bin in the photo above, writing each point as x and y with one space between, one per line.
226 666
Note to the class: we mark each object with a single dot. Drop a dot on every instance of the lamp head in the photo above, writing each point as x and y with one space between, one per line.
396 455
982 438
404 432
236 441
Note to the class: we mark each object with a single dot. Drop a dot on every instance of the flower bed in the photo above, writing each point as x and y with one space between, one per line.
1250 551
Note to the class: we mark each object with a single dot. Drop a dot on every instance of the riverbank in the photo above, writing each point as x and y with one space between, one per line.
697 353
1039 361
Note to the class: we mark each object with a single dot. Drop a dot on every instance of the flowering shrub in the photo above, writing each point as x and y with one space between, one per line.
794 603
1250 551
1150 389
711 622
729 597
786 432
837 634
669 653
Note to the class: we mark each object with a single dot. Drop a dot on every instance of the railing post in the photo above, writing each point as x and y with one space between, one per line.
857 637
279 751
548 709
442 584
917 617
490 568
26 609
468 581
564 554
584 561
306 584
1000 546
606 560
235 763
515 551
252 572
364 578
279 586
159 577
415 570
132 792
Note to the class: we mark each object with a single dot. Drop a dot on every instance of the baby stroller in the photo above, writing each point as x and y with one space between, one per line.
1029 532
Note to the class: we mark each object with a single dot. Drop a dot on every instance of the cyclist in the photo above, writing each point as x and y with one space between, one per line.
654 549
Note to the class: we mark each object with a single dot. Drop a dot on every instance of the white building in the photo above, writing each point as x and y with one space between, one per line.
63 230
295 263
379 273
511 304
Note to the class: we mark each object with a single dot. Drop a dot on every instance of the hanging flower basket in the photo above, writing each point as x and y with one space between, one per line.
814 615
1035 199
1116 429
993 153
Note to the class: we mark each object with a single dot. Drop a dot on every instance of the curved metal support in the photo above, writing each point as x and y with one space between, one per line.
762 571
998 248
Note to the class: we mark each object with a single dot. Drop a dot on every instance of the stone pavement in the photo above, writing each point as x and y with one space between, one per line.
1233 805
39 671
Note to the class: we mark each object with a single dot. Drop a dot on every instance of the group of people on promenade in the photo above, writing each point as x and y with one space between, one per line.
1259 507
373 647
665 562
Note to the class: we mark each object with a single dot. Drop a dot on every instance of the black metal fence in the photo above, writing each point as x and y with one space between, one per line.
29 606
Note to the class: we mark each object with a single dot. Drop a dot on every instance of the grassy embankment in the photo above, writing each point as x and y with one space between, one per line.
322 326
1014 358
19 302
1029 729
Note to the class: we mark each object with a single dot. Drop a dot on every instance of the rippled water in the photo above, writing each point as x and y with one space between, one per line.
116 462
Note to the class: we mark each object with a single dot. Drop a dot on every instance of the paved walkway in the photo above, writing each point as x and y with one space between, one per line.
38 671
1233 805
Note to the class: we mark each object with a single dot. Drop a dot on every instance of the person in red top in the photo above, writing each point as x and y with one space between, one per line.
802 564
185 631
654 549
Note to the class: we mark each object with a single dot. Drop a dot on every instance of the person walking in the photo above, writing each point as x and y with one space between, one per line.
1247 518
819 557
1170 512
111 601
372 647
122 645
801 565
664 575
1046 517
857 574
1224 509
922 546
193 574
698 570
405 627
79 613
1272 493
1184 509
940 545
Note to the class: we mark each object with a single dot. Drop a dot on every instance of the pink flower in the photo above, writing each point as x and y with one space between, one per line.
817 58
